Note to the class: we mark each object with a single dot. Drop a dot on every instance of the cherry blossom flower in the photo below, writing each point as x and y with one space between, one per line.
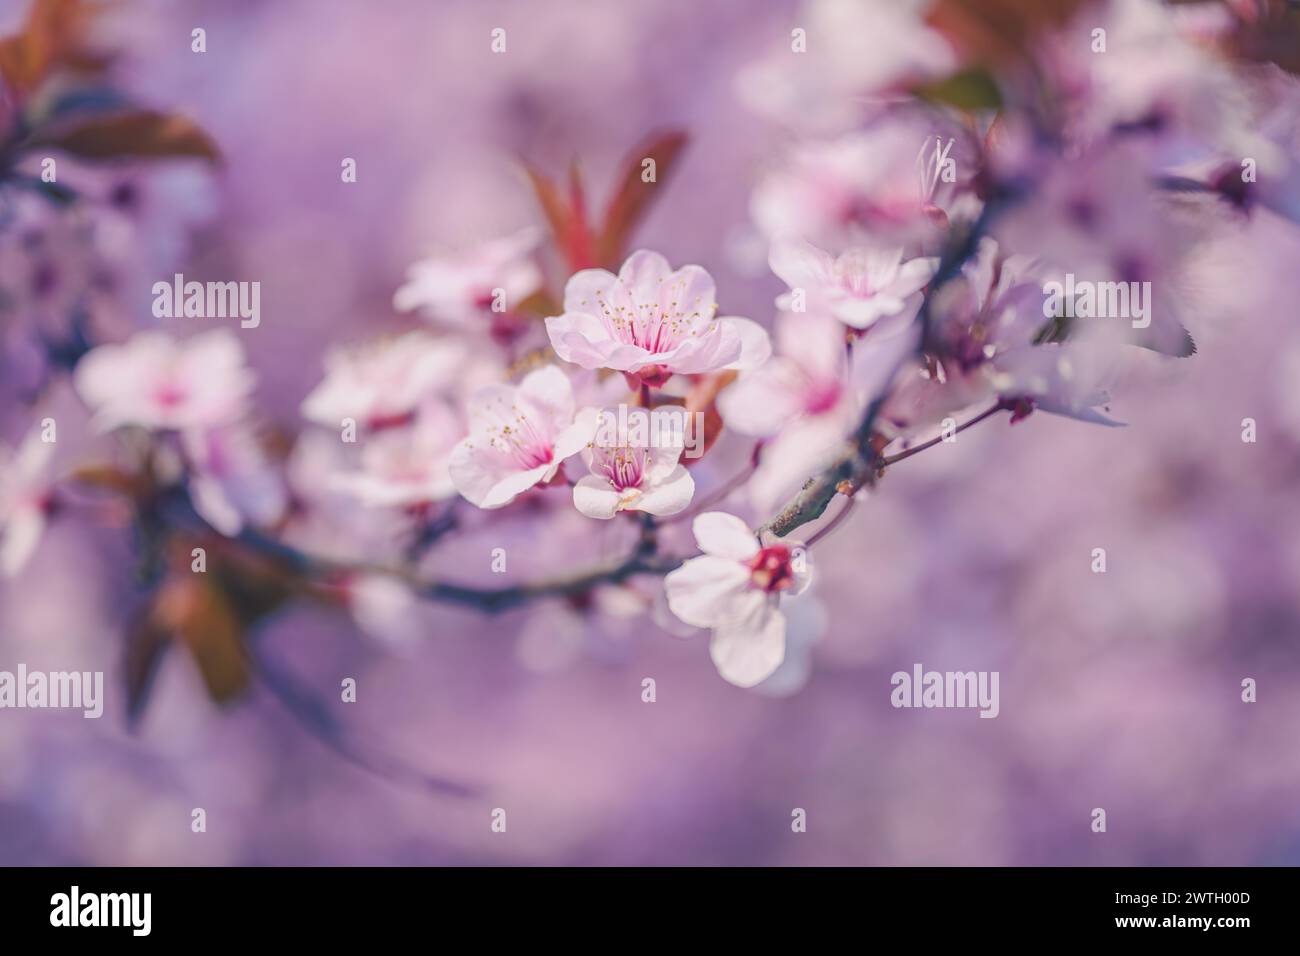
1061 378
808 376
407 466
997 305
861 287
233 482
808 398
734 589
518 437
459 287
987 331
26 497
894 181
50 264
1108 226
143 217
156 382
1155 76
864 47
1272 141
651 321
628 477
382 383
324 519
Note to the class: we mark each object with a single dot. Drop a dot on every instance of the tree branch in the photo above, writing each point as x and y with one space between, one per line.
642 560
856 466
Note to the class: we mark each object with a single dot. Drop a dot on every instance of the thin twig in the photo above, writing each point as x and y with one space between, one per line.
722 491
888 460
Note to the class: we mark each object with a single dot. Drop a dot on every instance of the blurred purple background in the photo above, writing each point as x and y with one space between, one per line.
1119 690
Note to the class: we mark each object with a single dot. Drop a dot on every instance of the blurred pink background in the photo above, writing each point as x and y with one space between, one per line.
1119 690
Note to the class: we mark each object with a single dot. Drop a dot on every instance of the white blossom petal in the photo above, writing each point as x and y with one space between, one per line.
704 590
724 535
596 498
669 496
750 649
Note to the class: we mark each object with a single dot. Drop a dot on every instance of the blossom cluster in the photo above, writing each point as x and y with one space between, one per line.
921 205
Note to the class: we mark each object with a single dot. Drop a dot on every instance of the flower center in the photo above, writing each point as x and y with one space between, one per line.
658 326
169 394
383 420
852 272
821 397
770 569
624 467
528 442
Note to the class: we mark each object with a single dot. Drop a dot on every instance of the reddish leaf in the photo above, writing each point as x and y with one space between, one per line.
146 642
995 32
554 206
631 199
572 236
52 35
1273 37
143 133
703 398
111 478
581 255
199 615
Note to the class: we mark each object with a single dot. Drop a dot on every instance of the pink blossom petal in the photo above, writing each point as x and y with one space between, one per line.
548 389
577 436
799 264
801 449
816 344
755 345
913 275
485 480
19 538
762 402
699 354
586 289
642 272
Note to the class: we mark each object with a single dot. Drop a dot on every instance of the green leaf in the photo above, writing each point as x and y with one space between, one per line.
969 90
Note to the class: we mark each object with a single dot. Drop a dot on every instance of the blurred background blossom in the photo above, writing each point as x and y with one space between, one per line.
1119 690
